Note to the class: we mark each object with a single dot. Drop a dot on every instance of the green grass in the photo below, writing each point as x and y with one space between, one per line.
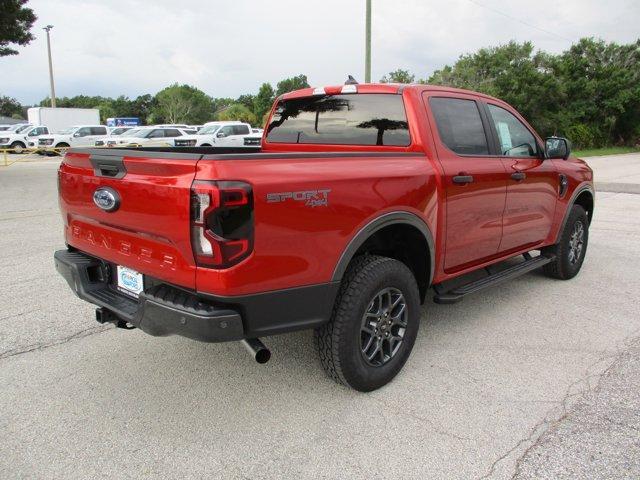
596 152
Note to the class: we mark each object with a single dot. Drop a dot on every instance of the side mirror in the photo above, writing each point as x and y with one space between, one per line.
557 147
77 134
221 135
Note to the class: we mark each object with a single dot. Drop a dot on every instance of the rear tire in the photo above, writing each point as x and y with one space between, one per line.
373 326
570 251
62 149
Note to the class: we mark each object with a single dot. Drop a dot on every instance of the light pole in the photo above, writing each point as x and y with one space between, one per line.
367 57
53 89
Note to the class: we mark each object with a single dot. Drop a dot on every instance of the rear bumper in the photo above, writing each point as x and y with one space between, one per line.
160 310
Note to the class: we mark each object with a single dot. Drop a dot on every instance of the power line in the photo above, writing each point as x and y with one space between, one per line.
499 12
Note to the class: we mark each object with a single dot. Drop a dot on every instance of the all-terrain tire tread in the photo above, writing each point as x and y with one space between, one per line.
363 269
556 268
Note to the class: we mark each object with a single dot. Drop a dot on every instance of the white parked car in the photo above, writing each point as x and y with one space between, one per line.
78 136
148 137
114 132
27 137
221 134
172 125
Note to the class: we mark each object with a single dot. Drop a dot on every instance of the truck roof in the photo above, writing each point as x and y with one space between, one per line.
393 88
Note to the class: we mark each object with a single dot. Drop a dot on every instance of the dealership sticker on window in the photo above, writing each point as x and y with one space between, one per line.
505 136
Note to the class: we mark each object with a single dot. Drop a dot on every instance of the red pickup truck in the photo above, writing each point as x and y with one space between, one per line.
360 199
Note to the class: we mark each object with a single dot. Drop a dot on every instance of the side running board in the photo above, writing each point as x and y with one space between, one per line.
458 293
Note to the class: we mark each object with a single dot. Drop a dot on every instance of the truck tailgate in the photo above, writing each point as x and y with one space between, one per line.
149 230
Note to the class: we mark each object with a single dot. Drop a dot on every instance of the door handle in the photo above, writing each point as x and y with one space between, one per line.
462 179
518 176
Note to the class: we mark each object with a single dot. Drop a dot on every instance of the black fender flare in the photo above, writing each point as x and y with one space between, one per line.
578 191
392 218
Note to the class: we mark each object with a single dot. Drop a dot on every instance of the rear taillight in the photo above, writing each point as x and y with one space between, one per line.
221 223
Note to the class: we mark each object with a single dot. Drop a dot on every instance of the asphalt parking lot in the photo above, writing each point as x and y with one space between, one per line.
533 379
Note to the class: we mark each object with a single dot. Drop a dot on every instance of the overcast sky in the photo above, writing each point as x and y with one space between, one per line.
230 47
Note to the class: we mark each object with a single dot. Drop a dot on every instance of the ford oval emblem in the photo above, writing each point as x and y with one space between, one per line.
107 199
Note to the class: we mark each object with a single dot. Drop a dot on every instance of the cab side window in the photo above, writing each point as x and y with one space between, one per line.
37 131
172 132
459 125
98 130
514 138
157 133
84 132
241 130
227 130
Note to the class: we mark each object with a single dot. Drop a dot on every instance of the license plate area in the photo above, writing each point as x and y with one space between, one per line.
129 281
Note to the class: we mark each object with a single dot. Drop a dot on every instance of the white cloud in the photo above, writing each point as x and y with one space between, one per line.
229 48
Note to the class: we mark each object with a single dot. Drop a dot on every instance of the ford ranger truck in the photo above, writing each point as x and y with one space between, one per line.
363 200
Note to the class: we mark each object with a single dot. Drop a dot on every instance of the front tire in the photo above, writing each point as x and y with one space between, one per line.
570 251
373 326
18 147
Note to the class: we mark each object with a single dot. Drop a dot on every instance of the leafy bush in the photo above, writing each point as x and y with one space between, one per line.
582 136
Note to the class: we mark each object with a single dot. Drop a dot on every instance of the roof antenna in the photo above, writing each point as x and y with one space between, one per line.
351 81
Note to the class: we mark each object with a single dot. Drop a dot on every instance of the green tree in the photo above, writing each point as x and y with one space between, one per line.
237 111
246 100
107 110
602 85
79 101
142 107
398 76
220 104
15 25
291 84
513 73
9 107
262 101
182 104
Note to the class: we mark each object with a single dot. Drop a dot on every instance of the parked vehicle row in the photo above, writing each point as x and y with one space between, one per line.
61 128
222 134
43 139
21 138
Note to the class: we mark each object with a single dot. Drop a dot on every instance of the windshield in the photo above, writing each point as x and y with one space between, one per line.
139 133
120 130
361 119
18 128
131 133
208 130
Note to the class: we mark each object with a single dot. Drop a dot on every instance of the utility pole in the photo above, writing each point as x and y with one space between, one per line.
53 89
367 58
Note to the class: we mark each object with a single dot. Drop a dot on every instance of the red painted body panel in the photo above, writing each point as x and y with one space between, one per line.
296 245
150 232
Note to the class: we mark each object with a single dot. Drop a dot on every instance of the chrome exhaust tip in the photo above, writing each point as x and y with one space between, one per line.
257 349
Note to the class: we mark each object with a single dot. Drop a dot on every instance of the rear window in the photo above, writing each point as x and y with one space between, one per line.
360 119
